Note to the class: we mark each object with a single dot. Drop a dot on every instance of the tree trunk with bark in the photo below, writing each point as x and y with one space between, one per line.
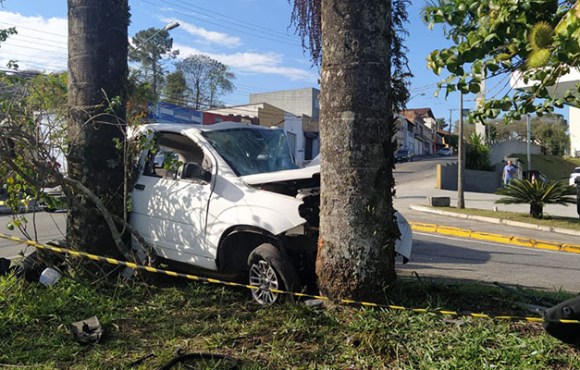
358 229
97 65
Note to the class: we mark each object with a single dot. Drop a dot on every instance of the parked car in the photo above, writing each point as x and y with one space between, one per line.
403 155
574 175
231 201
445 152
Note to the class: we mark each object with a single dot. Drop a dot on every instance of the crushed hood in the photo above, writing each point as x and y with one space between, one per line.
281 176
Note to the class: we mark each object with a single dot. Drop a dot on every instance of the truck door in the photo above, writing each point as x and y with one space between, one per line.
170 210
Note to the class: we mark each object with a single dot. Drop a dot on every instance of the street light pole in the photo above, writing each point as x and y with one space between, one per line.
168 27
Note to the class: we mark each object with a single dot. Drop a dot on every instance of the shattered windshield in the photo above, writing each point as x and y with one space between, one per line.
249 151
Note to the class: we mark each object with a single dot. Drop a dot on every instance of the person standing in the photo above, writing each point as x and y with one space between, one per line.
509 172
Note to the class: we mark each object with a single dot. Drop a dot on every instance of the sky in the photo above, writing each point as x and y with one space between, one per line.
254 38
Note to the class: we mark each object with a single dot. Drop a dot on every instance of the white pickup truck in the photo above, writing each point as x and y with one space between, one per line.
229 199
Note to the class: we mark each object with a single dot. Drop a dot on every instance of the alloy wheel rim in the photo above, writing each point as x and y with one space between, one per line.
263 276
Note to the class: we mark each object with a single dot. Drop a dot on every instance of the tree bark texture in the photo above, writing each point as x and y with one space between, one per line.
97 65
358 229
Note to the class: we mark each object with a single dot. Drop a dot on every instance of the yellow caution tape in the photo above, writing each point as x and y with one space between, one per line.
295 294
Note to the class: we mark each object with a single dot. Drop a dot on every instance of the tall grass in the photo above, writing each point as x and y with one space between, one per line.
154 323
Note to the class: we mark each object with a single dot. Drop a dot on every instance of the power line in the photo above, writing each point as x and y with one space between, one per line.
229 19
32 29
26 46
240 29
57 44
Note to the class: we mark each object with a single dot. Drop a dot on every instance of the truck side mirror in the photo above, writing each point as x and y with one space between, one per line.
194 171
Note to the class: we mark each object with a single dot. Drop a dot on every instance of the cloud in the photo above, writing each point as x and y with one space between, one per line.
247 62
41 44
208 36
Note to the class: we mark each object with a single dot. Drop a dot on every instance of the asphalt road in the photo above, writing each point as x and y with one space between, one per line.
448 257
41 226
462 259
419 169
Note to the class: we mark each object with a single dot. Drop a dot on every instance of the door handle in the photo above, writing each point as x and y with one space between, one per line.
140 187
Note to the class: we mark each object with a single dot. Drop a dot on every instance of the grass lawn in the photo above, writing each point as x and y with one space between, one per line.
553 221
555 168
154 323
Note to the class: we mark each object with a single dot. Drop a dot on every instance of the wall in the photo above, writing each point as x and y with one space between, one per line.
266 114
474 181
297 101
418 146
295 137
310 124
270 116
404 135
503 149
212 118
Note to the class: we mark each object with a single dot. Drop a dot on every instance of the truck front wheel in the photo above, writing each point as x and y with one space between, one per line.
268 269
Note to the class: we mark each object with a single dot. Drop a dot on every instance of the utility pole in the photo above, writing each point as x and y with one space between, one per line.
529 130
450 120
480 128
460 157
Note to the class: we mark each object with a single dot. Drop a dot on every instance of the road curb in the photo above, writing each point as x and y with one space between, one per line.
495 238
493 220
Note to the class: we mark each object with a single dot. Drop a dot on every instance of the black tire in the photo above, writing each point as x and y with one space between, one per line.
269 269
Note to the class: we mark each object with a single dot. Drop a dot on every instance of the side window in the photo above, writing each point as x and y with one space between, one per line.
173 153
162 161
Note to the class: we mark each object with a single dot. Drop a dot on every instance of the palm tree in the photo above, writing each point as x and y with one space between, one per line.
97 74
477 153
363 80
537 194
356 255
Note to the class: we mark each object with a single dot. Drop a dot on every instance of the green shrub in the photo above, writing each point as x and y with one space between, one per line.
537 194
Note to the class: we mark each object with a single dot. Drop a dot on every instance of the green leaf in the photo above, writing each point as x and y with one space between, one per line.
490 37
506 105
492 67
474 88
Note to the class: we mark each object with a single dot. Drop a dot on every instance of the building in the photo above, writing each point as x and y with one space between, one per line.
303 103
565 83
405 134
423 140
266 114
212 118
164 112
301 130
299 102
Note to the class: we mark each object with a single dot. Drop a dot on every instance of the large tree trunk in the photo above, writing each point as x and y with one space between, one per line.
97 66
356 248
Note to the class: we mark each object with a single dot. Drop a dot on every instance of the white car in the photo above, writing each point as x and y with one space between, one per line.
574 175
445 152
228 199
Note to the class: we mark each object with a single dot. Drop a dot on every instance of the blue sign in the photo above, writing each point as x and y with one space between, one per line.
164 112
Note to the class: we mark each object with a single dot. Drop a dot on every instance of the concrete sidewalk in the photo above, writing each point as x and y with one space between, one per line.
411 199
